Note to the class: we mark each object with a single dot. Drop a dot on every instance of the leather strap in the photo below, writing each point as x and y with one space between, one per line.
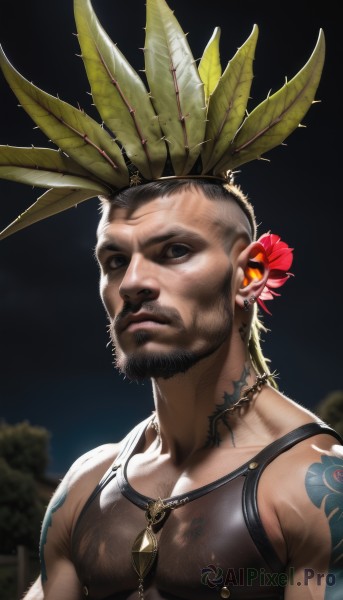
128 444
249 499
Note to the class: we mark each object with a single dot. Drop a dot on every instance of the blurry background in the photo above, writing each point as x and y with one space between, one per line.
56 370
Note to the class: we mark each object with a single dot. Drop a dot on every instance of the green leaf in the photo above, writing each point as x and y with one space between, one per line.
50 203
210 69
272 121
227 104
176 89
120 95
69 128
43 167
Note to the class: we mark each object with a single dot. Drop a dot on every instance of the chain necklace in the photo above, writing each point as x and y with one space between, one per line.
245 398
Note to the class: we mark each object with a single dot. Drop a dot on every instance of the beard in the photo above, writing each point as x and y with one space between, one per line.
140 364
139 367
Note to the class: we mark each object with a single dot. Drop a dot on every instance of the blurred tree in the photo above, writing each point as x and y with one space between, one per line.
24 489
330 410
25 447
21 510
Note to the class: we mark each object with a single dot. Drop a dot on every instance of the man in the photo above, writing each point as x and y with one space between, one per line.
176 270
230 489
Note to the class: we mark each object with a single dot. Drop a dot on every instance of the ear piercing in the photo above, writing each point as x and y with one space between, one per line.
248 303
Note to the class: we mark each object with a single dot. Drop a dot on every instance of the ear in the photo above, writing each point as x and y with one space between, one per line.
253 273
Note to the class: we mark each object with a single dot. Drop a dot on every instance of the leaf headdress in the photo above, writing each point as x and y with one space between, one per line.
192 121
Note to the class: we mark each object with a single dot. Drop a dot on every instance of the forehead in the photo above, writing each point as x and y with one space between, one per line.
190 209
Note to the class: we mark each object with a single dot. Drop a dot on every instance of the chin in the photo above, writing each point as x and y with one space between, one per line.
142 365
153 364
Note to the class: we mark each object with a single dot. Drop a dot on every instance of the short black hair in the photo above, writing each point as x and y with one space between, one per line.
212 189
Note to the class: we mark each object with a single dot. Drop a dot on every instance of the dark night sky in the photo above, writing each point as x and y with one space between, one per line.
55 368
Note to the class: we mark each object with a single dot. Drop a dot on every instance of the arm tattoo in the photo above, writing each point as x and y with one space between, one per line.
213 436
59 499
324 485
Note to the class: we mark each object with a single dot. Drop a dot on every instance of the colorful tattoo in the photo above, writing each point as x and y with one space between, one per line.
213 437
324 485
57 502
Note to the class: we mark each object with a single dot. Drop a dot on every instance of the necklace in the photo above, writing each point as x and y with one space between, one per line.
245 398
145 547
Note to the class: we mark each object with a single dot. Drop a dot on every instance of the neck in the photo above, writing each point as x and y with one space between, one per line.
188 406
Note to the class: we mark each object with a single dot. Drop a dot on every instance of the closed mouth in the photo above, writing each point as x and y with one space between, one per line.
143 318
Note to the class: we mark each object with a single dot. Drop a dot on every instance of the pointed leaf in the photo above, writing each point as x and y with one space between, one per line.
69 128
176 89
227 105
50 203
120 95
274 119
43 167
210 69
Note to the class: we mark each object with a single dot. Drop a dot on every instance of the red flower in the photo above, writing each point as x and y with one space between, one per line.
280 258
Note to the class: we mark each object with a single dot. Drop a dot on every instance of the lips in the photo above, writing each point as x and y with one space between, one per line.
141 317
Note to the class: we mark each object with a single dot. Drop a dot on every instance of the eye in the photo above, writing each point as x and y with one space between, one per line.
116 261
176 251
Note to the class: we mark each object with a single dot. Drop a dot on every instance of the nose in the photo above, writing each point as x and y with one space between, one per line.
139 283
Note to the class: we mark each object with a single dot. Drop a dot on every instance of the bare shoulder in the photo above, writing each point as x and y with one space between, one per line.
77 485
62 514
88 469
316 467
312 449
80 481
84 475
93 463
308 501
297 466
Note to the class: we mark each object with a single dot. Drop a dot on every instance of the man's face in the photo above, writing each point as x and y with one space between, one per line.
166 278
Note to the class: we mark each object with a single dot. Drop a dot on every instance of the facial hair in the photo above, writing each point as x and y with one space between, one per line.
140 365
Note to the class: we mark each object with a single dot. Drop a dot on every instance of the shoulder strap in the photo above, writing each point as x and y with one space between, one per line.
255 470
127 446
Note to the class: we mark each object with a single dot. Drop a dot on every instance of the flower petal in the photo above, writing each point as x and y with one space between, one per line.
280 259
262 304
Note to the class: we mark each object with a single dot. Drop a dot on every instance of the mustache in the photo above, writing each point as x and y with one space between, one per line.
166 314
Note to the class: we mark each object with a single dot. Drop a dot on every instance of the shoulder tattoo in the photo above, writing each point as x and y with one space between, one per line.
324 486
56 503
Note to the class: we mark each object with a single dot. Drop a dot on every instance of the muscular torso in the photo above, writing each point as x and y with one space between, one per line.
205 548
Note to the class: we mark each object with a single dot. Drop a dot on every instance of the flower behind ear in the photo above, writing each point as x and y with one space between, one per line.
280 258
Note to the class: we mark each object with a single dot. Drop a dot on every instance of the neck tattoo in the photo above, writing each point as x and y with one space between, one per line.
245 397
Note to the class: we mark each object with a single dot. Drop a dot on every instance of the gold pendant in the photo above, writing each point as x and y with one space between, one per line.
144 549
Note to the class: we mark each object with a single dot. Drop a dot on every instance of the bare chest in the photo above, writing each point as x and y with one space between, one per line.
156 476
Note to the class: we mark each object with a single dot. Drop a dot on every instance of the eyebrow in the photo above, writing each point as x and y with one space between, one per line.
112 246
